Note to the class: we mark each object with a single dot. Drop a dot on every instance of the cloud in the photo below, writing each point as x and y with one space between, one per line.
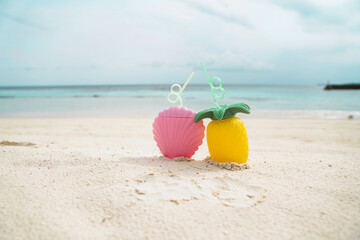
217 11
348 56
152 65
118 41
319 12
304 8
22 21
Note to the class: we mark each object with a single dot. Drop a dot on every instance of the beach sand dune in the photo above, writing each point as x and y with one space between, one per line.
104 178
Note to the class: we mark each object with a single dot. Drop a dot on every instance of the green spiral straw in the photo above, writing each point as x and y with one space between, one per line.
213 88
223 111
178 93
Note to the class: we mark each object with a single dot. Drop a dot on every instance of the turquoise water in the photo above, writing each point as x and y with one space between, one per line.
150 99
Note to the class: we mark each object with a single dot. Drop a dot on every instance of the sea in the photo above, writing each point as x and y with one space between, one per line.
265 101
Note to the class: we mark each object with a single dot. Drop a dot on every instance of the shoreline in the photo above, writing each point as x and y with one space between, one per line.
255 114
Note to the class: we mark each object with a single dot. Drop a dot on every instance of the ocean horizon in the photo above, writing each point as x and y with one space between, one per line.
294 101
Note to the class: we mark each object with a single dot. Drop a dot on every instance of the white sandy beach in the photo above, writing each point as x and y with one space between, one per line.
103 178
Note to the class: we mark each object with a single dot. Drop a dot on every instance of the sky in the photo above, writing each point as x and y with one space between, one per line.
159 42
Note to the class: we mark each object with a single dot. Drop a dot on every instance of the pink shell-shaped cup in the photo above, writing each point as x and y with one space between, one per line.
176 134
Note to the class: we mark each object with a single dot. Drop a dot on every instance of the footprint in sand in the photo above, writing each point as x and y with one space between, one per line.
227 191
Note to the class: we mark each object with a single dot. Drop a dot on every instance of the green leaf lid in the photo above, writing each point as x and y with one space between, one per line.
224 112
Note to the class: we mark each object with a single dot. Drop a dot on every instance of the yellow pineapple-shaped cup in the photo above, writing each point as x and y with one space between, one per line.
226 135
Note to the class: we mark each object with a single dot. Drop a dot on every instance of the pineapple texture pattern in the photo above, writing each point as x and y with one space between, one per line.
227 140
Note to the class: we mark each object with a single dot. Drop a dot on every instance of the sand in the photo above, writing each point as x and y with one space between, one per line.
104 178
